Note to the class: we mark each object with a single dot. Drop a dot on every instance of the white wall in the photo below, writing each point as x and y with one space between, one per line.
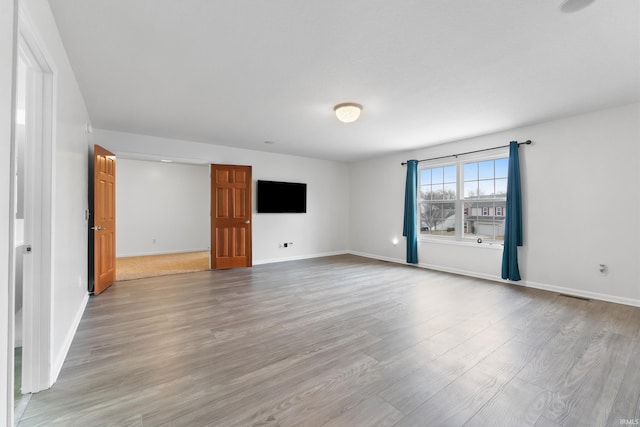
161 208
580 181
70 190
585 168
7 29
321 231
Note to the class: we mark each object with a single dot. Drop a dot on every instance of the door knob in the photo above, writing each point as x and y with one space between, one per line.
247 222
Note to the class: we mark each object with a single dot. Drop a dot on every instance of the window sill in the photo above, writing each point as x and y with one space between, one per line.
467 243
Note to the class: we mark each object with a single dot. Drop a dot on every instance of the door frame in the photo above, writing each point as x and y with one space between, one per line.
39 208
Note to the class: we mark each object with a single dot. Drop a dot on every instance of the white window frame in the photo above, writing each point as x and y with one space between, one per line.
458 162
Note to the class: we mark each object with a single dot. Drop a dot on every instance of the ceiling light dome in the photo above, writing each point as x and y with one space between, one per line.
347 112
569 6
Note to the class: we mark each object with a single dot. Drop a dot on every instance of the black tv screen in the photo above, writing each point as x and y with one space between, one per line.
282 197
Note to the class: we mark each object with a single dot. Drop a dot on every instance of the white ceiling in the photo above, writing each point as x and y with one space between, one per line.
241 72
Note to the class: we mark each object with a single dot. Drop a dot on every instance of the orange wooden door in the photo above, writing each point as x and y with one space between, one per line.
104 217
230 216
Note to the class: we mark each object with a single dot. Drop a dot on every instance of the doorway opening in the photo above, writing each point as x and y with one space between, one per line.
32 219
163 217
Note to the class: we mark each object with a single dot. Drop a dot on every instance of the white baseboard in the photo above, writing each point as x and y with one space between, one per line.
431 267
298 257
71 333
464 273
580 293
378 257
181 251
542 286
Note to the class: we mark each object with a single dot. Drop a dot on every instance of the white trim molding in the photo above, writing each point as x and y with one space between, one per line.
579 293
380 258
8 48
169 252
298 257
58 361
39 233
542 286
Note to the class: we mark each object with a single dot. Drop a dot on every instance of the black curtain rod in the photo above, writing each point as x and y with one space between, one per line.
527 142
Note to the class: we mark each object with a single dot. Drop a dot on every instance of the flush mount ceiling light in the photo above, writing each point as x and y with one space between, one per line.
348 112
569 6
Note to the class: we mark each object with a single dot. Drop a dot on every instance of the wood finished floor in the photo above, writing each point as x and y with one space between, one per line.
344 341
138 267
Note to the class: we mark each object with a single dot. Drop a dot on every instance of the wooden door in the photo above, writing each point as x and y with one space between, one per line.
104 219
230 216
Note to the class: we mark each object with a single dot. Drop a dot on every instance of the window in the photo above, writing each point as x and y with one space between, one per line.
485 193
437 201
465 199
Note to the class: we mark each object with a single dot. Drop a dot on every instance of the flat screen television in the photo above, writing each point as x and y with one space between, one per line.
281 197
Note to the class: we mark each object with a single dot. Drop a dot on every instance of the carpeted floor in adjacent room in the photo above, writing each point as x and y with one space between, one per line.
128 268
